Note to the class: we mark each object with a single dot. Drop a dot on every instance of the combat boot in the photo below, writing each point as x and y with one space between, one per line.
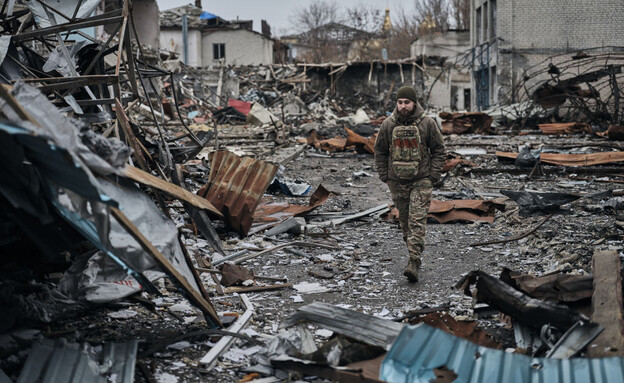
411 271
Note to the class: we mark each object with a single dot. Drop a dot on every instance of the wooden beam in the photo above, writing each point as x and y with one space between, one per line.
243 289
607 305
193 295
175 191
132 140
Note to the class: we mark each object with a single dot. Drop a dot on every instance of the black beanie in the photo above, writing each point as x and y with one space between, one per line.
406 92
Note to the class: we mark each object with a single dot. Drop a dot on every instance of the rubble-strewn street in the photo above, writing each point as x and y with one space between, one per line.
165 220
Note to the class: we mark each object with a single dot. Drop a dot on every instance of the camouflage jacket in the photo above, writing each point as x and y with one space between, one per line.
431 147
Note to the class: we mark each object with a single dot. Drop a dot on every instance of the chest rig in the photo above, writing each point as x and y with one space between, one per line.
406 153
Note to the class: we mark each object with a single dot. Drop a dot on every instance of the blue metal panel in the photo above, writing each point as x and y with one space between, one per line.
420 349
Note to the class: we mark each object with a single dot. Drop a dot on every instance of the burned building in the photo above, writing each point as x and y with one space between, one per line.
510 37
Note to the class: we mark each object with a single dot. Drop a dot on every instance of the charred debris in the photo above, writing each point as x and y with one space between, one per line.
168 223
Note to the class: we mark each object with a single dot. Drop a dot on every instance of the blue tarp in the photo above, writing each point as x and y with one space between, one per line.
207 16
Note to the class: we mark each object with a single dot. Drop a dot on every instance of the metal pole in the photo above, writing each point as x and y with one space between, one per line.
185 37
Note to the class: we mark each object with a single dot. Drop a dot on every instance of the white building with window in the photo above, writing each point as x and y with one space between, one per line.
202 39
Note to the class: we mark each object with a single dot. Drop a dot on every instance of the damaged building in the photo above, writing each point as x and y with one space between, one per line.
510 38
164 219
447 85
203 39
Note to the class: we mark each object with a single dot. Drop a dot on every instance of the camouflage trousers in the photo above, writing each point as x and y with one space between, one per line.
412 200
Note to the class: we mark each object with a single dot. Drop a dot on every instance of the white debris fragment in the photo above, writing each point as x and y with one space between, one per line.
383 313
181 308
325 257
179 345
323 333
163 377
123 314
235 355
296 298
310 288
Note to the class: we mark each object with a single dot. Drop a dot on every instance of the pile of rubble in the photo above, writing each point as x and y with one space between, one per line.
167 223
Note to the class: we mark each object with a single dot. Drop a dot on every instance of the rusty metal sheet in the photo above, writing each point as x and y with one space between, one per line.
463 123
464 210
269 214
468 330
565 128
236 185
457 210
573 159
452 163
362 144
336 144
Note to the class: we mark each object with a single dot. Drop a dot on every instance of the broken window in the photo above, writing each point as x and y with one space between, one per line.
218 51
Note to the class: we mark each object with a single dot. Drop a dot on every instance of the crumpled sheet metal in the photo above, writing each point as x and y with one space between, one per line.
463 123
362 144
589 159
269 214
420 349
452 163
236 186
565 128
335 144
468 330
464 210
58 361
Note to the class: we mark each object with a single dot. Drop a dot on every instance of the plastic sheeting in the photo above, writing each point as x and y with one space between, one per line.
65 132
99 278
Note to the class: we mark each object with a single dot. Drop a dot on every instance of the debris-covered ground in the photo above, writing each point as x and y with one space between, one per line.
228 224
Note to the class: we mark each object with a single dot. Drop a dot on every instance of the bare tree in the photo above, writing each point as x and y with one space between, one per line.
405 30
312 22
364 17
460 10
432 15
316 15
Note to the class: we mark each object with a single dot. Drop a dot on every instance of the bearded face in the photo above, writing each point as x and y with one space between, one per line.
405 107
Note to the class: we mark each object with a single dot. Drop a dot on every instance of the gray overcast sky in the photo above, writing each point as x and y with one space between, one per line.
276 12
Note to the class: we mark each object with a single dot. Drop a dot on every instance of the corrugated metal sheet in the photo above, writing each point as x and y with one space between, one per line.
56 361
236 185
589 159
420 349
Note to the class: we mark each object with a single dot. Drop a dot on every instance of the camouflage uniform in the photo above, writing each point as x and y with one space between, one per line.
411 192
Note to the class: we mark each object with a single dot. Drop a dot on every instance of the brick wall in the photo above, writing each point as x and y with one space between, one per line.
530 31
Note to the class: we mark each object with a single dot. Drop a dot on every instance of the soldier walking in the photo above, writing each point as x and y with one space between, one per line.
409 155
